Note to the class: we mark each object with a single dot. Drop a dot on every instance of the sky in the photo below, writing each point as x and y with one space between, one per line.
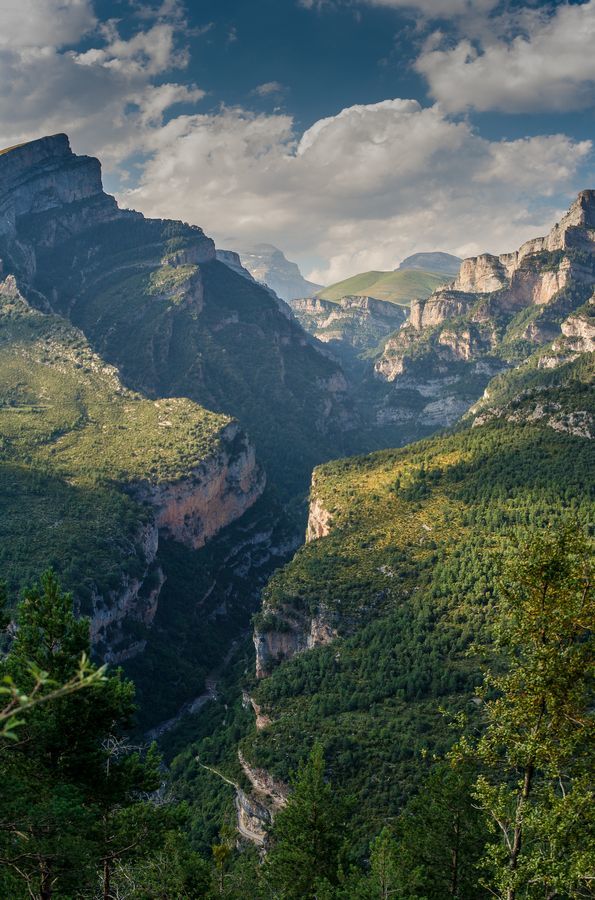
349 133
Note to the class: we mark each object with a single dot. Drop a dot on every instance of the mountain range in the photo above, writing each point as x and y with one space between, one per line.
165 407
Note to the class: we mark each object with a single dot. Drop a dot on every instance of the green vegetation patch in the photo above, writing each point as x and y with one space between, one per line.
408 576
400 287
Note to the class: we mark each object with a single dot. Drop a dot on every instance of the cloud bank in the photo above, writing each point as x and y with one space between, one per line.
550 65
360 189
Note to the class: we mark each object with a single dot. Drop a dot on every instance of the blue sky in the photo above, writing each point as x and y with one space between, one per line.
347 132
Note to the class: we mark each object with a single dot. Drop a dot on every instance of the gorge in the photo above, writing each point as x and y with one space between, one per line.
165 419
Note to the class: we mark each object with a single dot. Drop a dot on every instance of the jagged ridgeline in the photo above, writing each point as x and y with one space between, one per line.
151 298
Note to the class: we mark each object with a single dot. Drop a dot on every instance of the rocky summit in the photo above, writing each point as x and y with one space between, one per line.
153 299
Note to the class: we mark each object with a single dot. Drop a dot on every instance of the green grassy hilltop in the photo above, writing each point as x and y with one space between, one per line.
400 287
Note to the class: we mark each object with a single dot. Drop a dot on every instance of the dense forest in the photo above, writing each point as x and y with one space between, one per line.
506 811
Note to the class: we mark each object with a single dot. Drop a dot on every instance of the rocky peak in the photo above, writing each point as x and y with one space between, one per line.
270 266
576 230
44 174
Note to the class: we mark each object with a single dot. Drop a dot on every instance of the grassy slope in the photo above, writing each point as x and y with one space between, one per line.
70 438
196 331
399 287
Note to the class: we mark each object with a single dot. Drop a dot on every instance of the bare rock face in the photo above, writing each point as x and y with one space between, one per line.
256 810
355 323
579 331
43 175
440 306
319 518
290 633
495 313
216 493
481 274
577 338
286 632
253 818
576 230
264 786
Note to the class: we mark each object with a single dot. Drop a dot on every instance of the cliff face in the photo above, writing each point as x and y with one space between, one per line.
495 313
576 231
44 175
94 475
207 499
351 325
285 630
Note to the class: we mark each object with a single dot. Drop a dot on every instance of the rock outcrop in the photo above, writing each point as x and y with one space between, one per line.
226 484
493 315
284 631
256 810
319 518
351 325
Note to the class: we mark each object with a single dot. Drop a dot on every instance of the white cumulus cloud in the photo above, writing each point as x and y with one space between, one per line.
359 190
110 97
550 65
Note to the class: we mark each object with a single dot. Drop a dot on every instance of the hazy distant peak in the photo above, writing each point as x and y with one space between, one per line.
433 261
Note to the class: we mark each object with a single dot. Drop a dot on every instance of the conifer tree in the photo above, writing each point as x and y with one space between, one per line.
308 833
537 747
69 805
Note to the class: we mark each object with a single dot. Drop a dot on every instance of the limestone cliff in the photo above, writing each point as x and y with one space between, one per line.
319 518
256 810
102 473
350 325
575 231
282 631
493 315
209 497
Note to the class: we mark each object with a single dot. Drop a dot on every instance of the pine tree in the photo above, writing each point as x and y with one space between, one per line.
537 747
440 838
307 835
70 806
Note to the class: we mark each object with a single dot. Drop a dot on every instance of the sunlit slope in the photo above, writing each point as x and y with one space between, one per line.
399 287
407 580
72 439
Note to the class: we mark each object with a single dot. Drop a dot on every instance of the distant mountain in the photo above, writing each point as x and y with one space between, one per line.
399 287
435 261
269 265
